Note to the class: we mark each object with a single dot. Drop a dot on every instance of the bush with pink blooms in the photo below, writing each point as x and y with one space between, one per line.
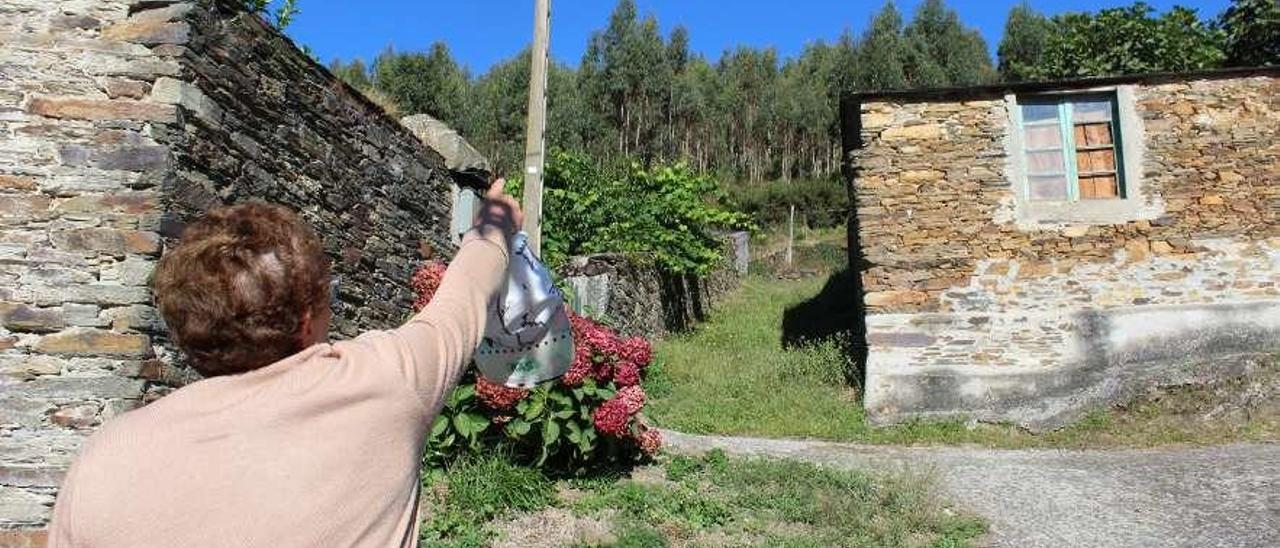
591 417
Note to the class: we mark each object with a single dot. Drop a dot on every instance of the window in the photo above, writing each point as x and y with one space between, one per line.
1071 148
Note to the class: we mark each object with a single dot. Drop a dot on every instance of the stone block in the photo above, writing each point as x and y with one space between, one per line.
176 92
83 315
23 508
100 109
127 158
125 87
25 367
135 318
895 298
876 120
1212 199
16 182
24 538
130 202
903 340
921 132
107 240
1075 231
95 342
31 476
27 319
74 21
89 293
84 415
18 410
24 206
104 387
1161 248
1138 250
921 176
148 32
1230 177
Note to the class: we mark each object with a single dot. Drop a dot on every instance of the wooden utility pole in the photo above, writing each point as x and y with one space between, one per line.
535 144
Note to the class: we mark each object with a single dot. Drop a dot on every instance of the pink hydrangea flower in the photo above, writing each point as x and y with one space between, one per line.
638 351
611 418
626 373
426 281
632 399
650 441
498 397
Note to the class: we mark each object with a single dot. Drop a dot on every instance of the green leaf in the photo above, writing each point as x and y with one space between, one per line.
519 427
469 424
441 426
550 433
535 409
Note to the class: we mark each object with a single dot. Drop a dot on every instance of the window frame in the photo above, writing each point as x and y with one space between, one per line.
1137 203
1065 121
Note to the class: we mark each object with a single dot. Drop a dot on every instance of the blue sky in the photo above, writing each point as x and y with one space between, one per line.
483 32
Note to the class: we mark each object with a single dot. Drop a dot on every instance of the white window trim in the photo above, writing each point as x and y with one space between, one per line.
1136 203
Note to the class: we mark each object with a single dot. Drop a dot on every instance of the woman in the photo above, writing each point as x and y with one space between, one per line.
289 440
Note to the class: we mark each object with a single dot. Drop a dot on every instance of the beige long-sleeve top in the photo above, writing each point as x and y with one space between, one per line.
320 449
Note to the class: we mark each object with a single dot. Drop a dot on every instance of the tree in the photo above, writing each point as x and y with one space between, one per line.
1126 41
882 53
1251 30
943 52
354 73
430 83
1022 49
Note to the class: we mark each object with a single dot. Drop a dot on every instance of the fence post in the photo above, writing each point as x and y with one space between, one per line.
791 235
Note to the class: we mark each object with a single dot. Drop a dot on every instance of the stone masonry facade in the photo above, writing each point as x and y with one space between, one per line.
979 306
120 120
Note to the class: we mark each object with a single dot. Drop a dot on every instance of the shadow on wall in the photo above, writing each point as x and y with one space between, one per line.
682 300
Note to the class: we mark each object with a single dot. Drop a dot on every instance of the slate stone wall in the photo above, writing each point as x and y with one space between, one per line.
119 121
974 309
639 298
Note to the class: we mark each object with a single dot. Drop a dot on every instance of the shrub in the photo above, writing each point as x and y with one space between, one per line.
819 203
590 418
668 212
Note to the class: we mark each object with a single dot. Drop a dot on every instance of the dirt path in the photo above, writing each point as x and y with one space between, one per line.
1226 496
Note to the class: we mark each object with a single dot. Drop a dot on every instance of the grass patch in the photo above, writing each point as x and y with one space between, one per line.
734 376
710 500
734 502
474 491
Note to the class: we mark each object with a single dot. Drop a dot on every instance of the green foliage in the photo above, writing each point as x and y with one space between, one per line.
641 94
431 83
959 54
819 204
552 427
1124 40
280 18
355 73
1021 50
1251 31
665 212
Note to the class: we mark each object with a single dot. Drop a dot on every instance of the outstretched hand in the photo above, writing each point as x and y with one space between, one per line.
500 209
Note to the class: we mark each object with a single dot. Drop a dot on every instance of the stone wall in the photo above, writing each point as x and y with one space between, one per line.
119 121
976 308
637 297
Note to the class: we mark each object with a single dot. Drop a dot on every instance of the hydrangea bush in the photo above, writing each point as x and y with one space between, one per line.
592 416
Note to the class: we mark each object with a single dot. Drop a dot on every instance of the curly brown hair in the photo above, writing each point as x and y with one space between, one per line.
234 291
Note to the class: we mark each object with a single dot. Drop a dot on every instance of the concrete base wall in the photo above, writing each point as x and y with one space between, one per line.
1106 356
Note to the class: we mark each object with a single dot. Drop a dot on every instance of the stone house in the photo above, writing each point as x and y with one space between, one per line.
121 119
1028 252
